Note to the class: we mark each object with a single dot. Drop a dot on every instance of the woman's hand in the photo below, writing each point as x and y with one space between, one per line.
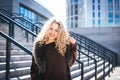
71 40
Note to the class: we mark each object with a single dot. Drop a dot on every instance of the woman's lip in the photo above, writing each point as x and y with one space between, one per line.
51 35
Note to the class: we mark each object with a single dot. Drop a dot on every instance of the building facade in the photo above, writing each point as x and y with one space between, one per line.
29 9
93 13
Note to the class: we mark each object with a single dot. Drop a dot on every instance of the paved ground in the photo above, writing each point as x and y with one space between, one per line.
115 75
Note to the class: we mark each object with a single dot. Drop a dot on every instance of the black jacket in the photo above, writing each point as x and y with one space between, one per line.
38 65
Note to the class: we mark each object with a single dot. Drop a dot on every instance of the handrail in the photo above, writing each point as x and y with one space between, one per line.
111 58
95 49
95 61
103 48
21 26
15 42
29 52
82 70
108 58
6 12
18 24
10 40
15 16
4 17
29 31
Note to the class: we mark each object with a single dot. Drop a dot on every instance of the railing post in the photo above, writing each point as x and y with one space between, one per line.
95 70
8 47
8 52
82 71
11 29
32 29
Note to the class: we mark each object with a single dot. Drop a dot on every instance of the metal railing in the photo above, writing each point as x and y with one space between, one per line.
10 39
82 41
21 20
97 49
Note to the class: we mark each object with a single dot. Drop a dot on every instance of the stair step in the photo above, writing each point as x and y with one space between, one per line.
19 71
16 58
16 64
25 77
88 70
77 78
14 52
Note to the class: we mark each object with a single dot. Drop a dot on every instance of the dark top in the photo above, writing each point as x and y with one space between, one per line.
57 67
56 64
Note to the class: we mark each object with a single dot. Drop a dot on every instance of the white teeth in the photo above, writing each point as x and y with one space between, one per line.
52 35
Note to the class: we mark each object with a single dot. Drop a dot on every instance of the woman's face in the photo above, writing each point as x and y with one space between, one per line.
53 31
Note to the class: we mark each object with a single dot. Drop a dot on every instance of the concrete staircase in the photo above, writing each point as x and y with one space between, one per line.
20 65
114 75
89 70
20 61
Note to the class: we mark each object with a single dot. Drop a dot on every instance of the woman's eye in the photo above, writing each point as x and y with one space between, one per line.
56 30
51 29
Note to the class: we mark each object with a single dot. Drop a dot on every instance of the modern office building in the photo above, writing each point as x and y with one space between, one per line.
98 20
29 9
93 13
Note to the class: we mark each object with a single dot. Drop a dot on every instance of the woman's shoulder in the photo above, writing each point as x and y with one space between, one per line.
38 44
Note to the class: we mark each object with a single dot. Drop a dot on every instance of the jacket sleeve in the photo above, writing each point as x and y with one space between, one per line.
34 75
73 51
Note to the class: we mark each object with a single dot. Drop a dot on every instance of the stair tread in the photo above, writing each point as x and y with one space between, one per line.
16 62
18 69
20 77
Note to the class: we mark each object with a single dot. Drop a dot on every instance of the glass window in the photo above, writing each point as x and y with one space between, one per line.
99 7
32 16
117 1
93 7
93 14
76 21
25 14
76 9
110 5
21 10
116 8
99 14
71 1
117 15
110 20
76 6
98 1
99 22
110 8
76 0
110 15
76 12
93 1
110 1
29 15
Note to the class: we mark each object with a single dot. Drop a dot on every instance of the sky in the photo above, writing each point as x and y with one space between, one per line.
56 7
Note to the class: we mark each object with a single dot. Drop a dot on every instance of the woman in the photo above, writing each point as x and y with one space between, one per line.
54 52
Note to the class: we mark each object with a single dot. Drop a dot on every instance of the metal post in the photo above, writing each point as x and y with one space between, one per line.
8 46
11 29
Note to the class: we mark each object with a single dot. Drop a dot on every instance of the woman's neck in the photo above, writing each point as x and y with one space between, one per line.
50 41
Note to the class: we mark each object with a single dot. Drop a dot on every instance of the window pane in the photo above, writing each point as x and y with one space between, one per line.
110 15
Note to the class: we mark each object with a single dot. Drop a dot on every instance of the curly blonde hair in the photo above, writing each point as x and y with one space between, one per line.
62 36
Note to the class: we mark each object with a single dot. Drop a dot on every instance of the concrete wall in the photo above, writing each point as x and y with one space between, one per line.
106 36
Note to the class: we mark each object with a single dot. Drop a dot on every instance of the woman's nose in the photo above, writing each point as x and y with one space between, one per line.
52 31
